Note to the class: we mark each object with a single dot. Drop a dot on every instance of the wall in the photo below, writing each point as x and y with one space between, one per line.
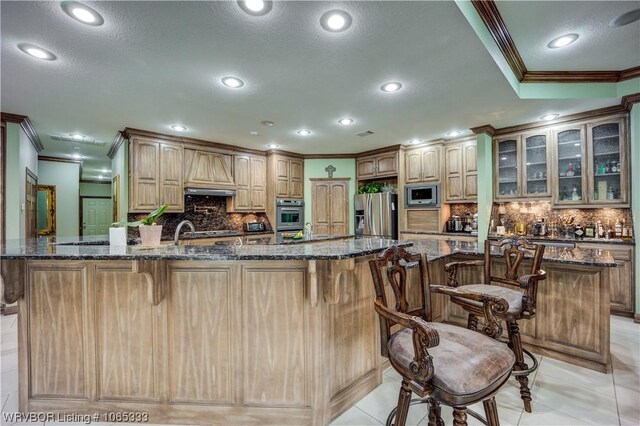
95 189
314 168
635 194
20 155
66 178
120 167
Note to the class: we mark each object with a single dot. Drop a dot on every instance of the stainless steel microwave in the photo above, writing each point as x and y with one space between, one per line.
422 195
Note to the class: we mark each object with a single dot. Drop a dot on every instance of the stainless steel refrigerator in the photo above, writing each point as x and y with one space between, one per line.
377 215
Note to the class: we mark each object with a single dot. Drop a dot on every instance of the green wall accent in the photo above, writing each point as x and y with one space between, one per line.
635 190
120 167
485 184
314 168
66 178
95 189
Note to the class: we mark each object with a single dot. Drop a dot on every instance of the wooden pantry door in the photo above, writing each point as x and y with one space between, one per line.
330 206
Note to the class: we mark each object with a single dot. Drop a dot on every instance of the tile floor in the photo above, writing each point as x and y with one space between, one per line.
562 394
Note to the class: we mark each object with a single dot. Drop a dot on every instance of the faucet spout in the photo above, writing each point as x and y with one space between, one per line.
180 225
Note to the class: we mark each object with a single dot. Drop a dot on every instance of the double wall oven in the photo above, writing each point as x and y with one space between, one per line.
289 216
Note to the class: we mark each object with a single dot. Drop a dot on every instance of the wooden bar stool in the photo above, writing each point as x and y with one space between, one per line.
519 291
441 363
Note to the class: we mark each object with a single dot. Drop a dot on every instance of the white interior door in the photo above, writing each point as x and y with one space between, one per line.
96 216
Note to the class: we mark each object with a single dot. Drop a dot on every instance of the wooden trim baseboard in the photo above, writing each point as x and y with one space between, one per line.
58 159
115 145
8 310
27 128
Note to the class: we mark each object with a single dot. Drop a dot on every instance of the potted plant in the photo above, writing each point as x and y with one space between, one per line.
150 233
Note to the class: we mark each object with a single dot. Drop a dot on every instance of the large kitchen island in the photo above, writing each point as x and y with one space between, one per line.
254 334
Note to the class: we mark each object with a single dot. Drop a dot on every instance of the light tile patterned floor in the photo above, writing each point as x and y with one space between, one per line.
562 394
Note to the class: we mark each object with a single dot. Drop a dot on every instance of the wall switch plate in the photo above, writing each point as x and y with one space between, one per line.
22 206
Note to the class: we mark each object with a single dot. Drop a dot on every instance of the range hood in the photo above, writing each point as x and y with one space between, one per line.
210 191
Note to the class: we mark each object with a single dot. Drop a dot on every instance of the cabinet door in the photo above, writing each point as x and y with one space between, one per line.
453 160
258 177
470 187
431 164
171 176
282 178
470 171
366 167
506 164
242 168
145 175
536 165
339 208
607 170
387 164
570 179
622 284
413 166
297 174
221 170
321 202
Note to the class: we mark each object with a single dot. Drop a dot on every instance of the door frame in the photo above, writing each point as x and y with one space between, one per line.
346 200
82 197
30 174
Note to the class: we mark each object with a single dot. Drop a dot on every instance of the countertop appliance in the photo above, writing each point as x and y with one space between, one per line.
289 215
424 195
377 215
254 226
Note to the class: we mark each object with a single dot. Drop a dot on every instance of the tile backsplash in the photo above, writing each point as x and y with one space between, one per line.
213 219
461 209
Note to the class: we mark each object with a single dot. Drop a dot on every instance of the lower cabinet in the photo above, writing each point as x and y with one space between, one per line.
622 284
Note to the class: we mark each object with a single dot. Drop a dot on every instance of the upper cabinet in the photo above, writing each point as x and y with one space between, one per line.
377 166
569 165
461 173
206 169
250 177
286 176
156 175
522 166
422 164
608 162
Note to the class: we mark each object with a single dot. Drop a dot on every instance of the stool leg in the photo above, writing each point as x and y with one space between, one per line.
435 418
516 346
459 416
491 411
403 404
472 322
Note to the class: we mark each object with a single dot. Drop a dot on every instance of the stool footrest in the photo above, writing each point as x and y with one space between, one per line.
416 401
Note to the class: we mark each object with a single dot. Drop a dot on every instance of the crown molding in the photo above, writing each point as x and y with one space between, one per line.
115 145
487 128
629 100
27 127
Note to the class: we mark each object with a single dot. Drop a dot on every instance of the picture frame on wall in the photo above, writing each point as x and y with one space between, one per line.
115 198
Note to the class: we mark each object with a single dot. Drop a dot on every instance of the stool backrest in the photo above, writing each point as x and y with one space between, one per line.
513 252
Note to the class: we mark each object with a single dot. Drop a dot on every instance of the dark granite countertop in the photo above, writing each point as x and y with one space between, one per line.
569 240
95 249
449 234
588 257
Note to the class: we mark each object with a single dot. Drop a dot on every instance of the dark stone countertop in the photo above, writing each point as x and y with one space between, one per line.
575 256
569 240
94 248
448 234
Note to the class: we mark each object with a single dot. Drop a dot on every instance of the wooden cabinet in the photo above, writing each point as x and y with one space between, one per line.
569 172
156 175
422 164
461 173
330 206
286 175
522 166
607 162
250 178
208 169
622 282
377 166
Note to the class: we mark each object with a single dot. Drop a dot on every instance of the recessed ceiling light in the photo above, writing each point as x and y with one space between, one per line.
453 133
36 52
76 155
82 13
267 123
335 20
253 132
179 128
232 82
345 121
304 132
392 86
414 141
562 41
626 18
548 117
77 136
273 146
105 171
256 7
100 177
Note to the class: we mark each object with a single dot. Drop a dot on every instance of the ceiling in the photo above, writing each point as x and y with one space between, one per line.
154 64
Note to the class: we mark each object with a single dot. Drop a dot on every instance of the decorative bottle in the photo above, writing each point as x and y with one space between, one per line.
574 195
610 195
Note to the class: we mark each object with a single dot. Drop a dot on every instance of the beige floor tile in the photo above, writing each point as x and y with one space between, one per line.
628 403
8 382
9 362
626 376
355 417
574 401
384 398
543 415
393 374
626 352
577 376
11 406
628 422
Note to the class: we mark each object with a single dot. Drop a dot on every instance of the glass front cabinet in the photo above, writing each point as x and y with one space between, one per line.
522 166
570 166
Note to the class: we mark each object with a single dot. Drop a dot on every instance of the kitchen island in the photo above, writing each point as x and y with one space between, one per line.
252 334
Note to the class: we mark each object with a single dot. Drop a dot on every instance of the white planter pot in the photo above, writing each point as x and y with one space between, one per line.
150 235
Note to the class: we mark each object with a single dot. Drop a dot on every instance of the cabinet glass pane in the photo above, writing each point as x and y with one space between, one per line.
508 168
570 165
535 155
606 161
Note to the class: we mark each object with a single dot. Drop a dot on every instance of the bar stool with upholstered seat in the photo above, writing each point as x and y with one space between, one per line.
519 291
442 363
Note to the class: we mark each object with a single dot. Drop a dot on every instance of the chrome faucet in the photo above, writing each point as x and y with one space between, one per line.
180 225
308 231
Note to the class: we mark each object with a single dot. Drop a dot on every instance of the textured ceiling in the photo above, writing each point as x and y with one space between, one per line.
153 64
